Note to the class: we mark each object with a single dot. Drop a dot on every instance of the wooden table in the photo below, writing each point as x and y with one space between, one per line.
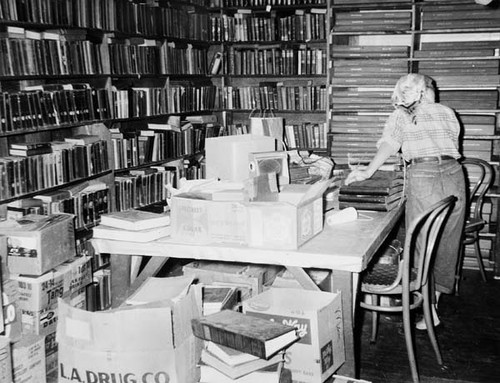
345 249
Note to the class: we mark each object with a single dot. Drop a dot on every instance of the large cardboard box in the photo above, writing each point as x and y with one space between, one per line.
144 342
286 224
40 322
318 317
28 359
5 360
37 293
200 221
38 243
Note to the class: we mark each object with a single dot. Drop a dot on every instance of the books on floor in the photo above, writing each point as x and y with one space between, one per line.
235 364
382 192
135 219
275 373
245 333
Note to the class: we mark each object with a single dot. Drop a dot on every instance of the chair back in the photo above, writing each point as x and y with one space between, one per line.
421 238
479 177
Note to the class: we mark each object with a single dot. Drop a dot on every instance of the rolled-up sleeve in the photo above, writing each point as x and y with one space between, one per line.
392 134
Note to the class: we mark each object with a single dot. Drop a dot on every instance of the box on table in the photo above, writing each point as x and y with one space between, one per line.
5 360
286 224
252 278
227 156
28 359
38 243
195 220
159 343
318 317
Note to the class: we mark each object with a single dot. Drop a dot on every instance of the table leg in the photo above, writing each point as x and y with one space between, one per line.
342 281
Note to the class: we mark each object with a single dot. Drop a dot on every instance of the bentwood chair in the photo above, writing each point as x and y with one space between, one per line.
479 177
409 279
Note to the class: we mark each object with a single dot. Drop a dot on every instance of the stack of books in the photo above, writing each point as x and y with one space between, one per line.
242 348
133 225
382 192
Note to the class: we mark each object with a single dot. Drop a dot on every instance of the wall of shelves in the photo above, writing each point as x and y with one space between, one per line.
274 61
456 43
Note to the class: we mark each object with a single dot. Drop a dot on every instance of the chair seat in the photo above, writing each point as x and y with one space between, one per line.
474 224
383 275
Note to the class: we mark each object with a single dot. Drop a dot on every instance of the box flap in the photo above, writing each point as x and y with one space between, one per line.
298 194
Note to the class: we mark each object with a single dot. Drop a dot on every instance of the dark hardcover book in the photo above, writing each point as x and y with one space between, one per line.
381 183
455 53
370 206
245 333
364 198
29 152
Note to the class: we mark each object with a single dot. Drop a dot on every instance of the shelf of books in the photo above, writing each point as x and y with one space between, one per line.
102 105
272 57
374 43
461 53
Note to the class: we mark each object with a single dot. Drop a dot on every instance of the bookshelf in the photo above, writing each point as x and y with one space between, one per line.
456 43
274 61
129 74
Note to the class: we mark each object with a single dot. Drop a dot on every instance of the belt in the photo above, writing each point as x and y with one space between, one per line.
437 159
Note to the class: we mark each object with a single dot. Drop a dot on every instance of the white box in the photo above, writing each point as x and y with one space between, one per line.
318 317
158 344
5 360
286 224
38 293
38 243
28 359
227 156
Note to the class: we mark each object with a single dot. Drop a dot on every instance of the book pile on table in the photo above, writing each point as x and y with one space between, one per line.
382 192
242 348
133 225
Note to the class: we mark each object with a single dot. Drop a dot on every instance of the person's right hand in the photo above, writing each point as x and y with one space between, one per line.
356 175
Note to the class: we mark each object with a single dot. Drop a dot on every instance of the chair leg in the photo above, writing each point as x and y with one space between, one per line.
375 300
429 323
409 336
458 272
479 259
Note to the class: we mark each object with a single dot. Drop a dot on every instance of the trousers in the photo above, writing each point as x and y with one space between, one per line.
428 183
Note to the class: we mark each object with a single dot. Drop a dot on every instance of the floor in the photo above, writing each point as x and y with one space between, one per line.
469 337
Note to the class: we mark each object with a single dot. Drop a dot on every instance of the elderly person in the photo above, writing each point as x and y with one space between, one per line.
427 134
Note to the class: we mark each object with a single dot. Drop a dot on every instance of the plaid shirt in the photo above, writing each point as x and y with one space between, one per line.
435 132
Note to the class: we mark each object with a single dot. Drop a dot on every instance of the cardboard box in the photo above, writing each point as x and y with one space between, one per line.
28 359
318 317
38 243
227 156
5 360
287 224
202 221
250 279
158 346
50 353
38 293
40 322
11 311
